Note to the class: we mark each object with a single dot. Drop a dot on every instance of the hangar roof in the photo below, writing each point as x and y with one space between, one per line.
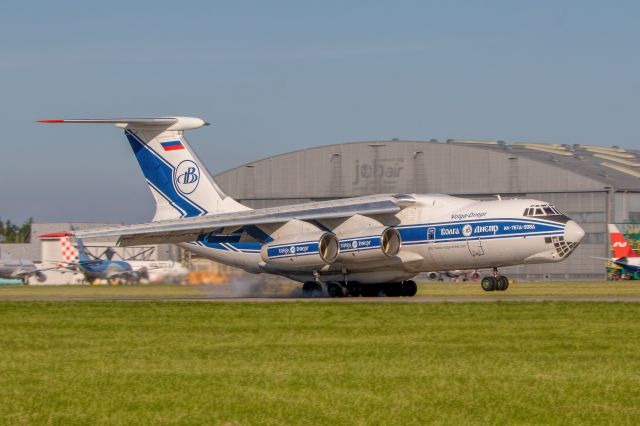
614 166
452 167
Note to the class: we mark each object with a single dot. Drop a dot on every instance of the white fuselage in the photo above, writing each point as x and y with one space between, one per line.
160 271
438 232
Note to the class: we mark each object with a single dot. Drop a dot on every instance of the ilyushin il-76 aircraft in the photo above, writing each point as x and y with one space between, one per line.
370 245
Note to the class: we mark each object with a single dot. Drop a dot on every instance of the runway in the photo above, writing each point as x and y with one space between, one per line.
581 292
397 300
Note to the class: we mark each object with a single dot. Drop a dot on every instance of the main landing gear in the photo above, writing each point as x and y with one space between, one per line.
311 289
354 289
496 282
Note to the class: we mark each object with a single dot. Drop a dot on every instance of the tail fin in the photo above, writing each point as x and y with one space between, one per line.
179 182
70 254
83 255
619 244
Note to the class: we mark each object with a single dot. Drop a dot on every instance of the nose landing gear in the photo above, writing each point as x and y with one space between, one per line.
496 282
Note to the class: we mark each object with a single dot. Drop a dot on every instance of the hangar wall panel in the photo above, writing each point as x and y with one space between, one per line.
627 207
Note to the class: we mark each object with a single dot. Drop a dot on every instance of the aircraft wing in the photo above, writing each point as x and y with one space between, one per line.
183 230
21 273
72 266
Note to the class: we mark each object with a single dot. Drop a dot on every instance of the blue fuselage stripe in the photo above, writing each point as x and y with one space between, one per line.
432 233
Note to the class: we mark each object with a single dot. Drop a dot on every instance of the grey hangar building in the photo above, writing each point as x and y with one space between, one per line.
595 185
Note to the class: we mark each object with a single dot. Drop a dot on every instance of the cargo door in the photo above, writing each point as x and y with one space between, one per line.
475 246
474 243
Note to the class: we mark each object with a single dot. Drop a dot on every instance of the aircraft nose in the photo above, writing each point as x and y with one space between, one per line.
573 233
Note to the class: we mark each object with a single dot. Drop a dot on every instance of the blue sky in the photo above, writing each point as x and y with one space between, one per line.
282 75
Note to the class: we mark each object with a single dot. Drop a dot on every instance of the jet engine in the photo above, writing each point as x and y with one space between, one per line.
369 244
312 249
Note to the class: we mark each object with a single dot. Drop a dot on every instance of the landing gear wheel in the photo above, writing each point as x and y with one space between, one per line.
309 288
489 283
409 288
369 290
503 283
335 290
353 289
390 290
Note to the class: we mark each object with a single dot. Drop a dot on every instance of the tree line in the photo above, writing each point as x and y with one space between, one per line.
13 233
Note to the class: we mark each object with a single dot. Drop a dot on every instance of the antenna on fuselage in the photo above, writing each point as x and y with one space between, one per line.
498 196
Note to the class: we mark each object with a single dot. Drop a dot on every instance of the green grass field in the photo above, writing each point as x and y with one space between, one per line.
319 363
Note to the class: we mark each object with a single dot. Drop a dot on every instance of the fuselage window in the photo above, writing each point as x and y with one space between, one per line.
542 210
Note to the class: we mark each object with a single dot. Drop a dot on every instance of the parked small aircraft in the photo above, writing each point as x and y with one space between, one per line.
92 267
20 269
623 254
78 258
160 271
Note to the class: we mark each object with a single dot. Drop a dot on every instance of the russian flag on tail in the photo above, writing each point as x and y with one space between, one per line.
172 145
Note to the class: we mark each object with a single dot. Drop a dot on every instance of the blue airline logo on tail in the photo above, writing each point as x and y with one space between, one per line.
187 177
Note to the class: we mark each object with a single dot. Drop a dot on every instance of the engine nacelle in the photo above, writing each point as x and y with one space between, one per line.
313 249
369 244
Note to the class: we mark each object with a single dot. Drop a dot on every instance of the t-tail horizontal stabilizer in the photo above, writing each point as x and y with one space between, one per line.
164 123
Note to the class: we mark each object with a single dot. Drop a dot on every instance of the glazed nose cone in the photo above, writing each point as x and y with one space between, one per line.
573 233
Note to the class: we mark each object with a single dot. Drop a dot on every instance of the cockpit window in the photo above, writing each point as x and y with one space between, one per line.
542 210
